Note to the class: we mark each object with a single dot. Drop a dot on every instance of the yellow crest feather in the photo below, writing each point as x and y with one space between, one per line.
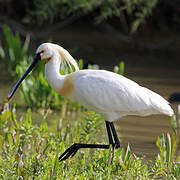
67 58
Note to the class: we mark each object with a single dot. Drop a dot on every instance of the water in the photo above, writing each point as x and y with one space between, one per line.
149 69
140 132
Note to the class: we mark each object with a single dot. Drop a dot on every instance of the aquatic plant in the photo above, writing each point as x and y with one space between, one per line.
30 150
12 51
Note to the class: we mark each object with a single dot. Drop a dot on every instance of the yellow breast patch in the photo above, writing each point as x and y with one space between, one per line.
68 86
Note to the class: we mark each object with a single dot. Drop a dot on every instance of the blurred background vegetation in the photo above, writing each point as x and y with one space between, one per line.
125 15
121 12
138 38
140 25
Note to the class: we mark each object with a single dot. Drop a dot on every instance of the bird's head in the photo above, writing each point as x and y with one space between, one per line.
45 51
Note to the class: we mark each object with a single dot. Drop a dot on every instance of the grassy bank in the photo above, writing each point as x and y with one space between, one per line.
29 147
30 151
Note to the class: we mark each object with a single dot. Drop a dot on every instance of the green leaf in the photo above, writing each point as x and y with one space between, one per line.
173 145
135 25
174 123
168 149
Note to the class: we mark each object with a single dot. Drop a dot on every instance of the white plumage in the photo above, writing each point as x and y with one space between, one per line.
115 96
107 93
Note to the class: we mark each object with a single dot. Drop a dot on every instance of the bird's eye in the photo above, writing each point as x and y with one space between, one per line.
42 51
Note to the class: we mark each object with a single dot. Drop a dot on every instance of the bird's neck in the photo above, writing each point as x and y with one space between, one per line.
52 74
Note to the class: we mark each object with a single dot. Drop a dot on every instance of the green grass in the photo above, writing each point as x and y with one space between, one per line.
30 150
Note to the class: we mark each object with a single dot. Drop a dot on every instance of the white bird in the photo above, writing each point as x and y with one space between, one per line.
105 92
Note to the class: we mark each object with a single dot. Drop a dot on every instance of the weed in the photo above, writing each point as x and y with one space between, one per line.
12 51
31 151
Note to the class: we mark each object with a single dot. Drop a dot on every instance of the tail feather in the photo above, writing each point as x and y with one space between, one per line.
160 104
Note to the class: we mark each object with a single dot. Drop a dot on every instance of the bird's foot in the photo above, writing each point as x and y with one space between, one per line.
71 151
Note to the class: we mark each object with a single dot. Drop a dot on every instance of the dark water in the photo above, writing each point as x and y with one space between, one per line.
140 132
159 72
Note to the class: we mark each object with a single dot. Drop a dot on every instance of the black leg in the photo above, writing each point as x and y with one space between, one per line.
71 151
111 141
109 132
116 139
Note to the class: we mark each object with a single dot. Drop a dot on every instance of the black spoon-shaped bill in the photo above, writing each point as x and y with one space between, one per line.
35 61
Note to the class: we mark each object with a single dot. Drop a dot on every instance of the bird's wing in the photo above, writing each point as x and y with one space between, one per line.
104 91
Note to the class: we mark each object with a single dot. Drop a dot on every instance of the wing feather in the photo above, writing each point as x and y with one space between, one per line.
105 92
